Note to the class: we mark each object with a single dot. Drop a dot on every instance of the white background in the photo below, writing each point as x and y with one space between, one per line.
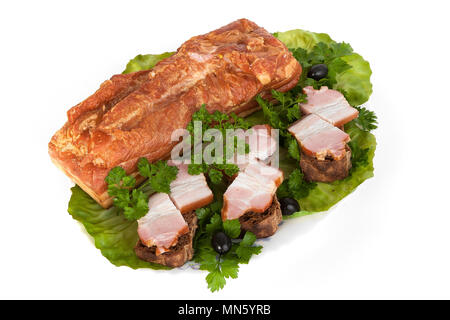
389 239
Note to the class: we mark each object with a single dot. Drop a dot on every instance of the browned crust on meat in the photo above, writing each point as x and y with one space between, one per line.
326 170
178 254
132 116
263 224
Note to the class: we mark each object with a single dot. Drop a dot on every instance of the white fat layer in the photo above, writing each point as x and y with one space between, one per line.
309 126
188 189
159 205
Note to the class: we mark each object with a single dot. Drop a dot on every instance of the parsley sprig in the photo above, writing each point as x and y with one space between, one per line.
329 54
367 120
360 156
221 122
134 201
221 267
282 113
295 186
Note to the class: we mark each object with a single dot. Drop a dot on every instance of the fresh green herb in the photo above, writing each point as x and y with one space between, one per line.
295 186
120 185
221 267
285 111
246 248
367 120
292 147
360 156
133 201
159 174
330 54
282 114
232 228
221 122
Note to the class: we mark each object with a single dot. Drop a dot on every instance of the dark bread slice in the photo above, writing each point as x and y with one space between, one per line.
263 224
178 254
326 170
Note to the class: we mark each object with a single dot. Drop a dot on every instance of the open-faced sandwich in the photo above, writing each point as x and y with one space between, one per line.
195 154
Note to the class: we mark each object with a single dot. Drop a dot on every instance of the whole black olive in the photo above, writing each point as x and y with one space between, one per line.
289 206
318 71
221 242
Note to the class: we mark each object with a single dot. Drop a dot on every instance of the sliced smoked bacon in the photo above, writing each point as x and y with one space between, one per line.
252 190
325 154
132 116
189 192
319 138
317 132
162 225
328 104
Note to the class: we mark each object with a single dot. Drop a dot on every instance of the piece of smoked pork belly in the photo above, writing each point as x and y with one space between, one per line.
251 191
162 225
330 105
319 138
133 115
189 192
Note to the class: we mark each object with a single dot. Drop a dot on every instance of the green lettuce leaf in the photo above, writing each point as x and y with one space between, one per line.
113 234
145 61
354 83
302 39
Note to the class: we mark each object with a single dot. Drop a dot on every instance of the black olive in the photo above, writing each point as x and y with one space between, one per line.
318 71
289 206
221 242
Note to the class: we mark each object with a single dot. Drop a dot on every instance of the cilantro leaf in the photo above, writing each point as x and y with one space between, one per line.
160 174
203 214
330 54
225 266
216 280
230 169
232 228
115 175
220 268
134 205
246 248
293 149
270 114
283 113
214 225
295 186
215 176
367 120
360 157
229 268
134 202
195 169
301 55
221 122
